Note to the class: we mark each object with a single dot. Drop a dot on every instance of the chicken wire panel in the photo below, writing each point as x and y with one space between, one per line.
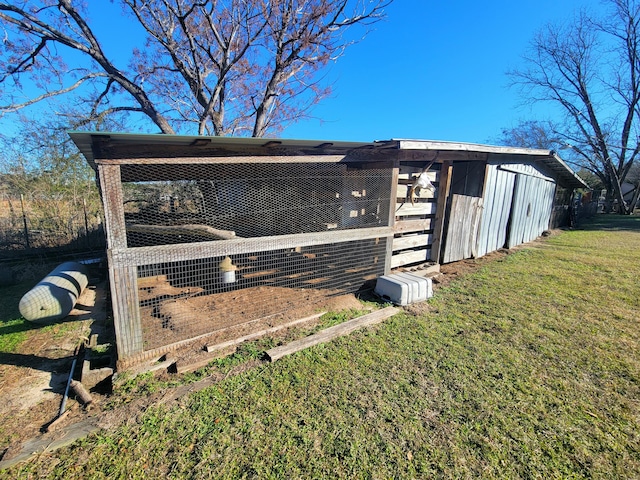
187 299
186 203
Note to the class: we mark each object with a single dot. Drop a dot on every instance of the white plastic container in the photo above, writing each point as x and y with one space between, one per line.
404 288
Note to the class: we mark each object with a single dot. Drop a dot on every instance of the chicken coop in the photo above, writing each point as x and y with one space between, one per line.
217 234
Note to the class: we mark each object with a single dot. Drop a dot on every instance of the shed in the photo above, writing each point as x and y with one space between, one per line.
209 233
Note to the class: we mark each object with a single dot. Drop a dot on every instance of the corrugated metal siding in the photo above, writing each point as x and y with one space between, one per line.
531 212
524 168
497 207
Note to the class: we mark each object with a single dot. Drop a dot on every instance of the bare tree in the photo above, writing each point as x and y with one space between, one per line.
590 68
37 30
225 66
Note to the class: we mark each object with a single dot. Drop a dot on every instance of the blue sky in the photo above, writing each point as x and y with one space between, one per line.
434 70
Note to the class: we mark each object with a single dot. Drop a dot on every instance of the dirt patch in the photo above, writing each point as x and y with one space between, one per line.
212 320
33 379
233 314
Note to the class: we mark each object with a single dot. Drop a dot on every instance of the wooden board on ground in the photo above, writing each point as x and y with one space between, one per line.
218 348
332 332
261 333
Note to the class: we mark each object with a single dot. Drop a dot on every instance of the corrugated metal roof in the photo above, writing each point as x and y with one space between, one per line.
87 140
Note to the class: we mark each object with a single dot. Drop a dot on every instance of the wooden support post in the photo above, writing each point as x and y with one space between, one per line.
24 223
446 171
113 202
123 277
392 219
126 311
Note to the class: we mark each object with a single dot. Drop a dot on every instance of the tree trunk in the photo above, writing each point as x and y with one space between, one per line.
608 202
623 208
635 198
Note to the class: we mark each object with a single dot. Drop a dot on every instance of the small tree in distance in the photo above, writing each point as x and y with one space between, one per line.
531 134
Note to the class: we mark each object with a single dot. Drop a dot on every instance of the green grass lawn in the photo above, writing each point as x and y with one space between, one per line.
529 368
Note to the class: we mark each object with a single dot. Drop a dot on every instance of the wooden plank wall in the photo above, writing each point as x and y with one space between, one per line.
414 224
498 195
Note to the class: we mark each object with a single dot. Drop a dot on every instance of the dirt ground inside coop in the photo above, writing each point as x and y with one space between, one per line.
273 312
234 314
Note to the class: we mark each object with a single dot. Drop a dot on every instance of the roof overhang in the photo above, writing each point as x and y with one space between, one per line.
549 158
106 146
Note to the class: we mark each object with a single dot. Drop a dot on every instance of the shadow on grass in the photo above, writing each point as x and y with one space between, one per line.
21 325
10 298
612 222
17 326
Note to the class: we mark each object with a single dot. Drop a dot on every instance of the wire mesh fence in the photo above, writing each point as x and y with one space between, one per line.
207 247
182 300
40 221
167 204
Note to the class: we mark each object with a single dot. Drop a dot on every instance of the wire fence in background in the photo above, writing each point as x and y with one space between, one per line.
48 223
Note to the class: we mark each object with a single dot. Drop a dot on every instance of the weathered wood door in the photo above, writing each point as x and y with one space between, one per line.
462 230
464 211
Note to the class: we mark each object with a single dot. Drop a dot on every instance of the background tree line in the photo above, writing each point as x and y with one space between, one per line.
48 194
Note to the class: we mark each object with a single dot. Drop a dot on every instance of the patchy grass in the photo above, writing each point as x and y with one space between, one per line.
13 328
529 368
129 388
